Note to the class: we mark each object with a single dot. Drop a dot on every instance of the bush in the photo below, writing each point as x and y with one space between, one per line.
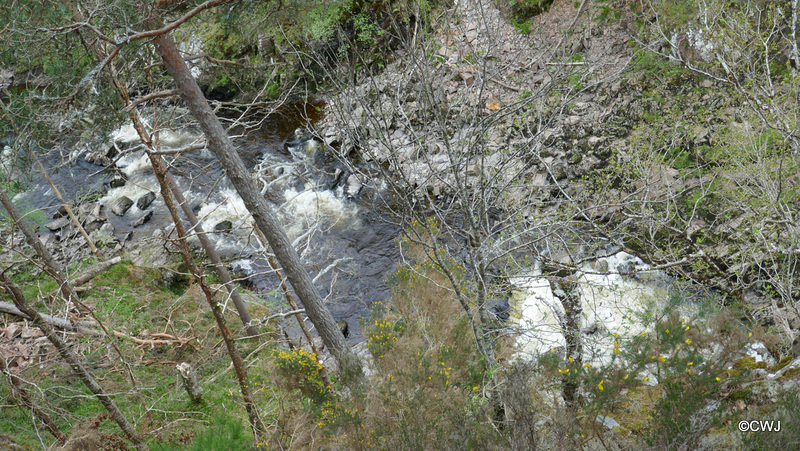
300 370
523 10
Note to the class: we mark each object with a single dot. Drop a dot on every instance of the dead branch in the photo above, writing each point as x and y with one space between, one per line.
65 351
90 274
189 379
160 339
60 323
148 97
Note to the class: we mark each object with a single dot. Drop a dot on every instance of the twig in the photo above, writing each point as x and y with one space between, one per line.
573 63
171 340
151 96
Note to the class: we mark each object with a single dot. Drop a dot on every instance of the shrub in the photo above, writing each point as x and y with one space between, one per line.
300 370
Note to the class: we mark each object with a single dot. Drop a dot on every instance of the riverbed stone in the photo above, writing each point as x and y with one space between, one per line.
58 224
143 219
117 181
353 186
145 200
121 206
223 226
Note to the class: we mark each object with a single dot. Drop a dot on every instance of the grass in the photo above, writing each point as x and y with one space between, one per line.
136 301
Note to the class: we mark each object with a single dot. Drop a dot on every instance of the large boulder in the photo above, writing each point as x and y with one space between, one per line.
145 200
120 206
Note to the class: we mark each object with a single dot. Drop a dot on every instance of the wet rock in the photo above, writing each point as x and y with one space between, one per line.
223 226
143 219
100 155
91 217
117 181
121 205
58 224
353 186
145 200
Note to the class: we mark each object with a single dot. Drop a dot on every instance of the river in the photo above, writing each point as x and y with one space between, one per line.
303 181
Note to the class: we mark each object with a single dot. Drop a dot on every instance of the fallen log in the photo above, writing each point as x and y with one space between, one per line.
90 274
61 323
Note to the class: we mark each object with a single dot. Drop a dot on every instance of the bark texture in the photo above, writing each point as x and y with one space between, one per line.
259 430
265 219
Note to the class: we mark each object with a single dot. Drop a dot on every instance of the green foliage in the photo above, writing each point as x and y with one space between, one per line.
382 333
225 433
678 12
651 64
301 370
787 412
523 10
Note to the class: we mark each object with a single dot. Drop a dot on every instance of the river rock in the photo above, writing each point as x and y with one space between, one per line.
353 186
223 226
104 236
99 155
145 200
121 205
143 219
58 224
117 181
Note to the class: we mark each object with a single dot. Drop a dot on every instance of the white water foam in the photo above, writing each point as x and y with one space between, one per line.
323 208
611 304
228 206
168 138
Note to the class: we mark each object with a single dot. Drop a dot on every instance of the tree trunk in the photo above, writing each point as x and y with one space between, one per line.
18 387
50 264
160 169
265 219
189 380
65 351
212 254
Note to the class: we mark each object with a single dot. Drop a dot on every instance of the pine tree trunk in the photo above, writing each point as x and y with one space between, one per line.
264 217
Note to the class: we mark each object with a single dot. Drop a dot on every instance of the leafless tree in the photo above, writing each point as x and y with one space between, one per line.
749 49
461 141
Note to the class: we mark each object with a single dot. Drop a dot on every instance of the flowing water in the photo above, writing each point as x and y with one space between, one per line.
300 179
